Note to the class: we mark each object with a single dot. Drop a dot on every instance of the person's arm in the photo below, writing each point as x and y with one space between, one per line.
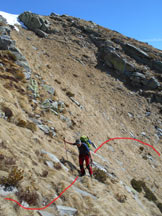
69 142
92 143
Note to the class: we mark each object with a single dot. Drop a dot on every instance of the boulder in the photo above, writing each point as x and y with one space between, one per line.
54 159
158 131
91 29
3 20
142 57
44 128
102 42
153 83
66 211
49 89
27 71
139 55
31 20
21 61
17 53
158 97
84 193
5 30
157 65
138 78
41 33
35 23
154 96
113 60
6 42
45 213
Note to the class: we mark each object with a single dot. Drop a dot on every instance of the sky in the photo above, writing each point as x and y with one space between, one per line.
138 19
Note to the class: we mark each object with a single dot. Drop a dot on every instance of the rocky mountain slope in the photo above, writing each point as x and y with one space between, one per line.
62 77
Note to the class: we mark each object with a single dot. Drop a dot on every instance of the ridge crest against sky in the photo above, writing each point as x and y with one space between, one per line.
137 19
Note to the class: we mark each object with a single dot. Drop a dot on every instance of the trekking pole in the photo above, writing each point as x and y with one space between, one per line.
91 162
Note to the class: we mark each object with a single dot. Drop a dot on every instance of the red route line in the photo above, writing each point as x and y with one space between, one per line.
77 176
127 139
46 205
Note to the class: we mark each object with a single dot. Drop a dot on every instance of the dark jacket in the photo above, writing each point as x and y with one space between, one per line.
83 149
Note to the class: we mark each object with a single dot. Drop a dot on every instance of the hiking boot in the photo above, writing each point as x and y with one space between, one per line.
82 174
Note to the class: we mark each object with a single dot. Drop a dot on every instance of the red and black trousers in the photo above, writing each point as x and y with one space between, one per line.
87 159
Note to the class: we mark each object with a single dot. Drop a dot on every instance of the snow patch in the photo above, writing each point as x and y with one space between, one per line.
12 19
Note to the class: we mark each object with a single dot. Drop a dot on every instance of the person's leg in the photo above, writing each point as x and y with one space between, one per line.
81 160
88 165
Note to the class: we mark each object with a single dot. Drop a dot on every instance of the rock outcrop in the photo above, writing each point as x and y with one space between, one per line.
6 43
36 23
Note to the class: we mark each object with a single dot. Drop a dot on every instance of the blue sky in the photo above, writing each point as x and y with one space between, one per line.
138 19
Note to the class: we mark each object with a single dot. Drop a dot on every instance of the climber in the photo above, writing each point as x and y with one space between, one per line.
84 154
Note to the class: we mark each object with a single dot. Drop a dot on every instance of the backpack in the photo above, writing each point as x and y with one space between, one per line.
85 140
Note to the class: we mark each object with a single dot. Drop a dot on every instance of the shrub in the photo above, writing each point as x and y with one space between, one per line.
19 75
26 124
10 161
137 185
100 175
21 123
159 205
14 177
70 94
57 81
121 197
31 126
44 174
29 196
149 194
8 112
57 166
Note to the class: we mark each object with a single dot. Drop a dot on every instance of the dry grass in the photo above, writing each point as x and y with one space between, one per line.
6 54
8 59
26 124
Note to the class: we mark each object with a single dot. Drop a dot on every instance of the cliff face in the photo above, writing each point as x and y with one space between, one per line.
65 77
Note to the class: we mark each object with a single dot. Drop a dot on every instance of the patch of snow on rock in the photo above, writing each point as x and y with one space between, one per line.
12 19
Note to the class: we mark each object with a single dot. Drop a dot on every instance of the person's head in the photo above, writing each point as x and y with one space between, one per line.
78 142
